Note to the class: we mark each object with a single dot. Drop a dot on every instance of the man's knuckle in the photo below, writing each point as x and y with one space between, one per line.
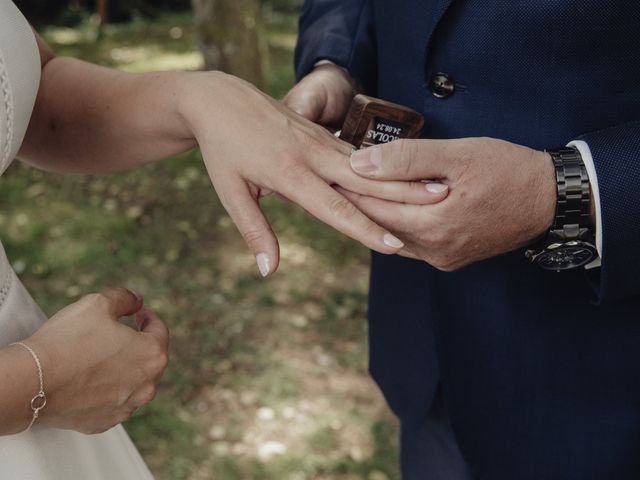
445 262
437 258
446 268
439 265
465 150
401 146
401 157
453 266
436 240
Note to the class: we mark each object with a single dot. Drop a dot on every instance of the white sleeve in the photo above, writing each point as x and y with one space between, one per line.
323 62
328 62
587 158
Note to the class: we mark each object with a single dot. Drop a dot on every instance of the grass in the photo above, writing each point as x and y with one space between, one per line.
268 379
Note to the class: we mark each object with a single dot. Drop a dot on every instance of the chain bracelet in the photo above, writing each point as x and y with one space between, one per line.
39 401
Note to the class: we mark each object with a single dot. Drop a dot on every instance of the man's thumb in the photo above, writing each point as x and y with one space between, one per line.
402 160
305 103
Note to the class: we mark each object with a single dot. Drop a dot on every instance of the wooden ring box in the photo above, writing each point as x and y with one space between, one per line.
372 121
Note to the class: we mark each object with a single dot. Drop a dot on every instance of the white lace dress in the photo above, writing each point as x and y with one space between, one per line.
42 453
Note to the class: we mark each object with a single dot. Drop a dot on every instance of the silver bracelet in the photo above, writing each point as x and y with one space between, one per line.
40 399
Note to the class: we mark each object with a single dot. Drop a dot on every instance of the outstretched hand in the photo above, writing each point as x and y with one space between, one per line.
253 145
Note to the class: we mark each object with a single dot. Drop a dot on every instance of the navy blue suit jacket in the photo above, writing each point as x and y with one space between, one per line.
541 370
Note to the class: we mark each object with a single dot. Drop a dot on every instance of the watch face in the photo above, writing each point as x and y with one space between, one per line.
566 257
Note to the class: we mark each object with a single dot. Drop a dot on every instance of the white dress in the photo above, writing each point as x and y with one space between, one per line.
42 453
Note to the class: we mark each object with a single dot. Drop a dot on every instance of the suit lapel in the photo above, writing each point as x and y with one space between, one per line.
441 8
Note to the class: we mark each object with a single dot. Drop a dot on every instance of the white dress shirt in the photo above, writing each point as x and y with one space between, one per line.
587 158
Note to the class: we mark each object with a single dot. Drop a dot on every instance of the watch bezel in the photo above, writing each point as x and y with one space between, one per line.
538 257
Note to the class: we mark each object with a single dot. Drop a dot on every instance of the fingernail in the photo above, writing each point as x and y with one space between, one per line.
435 187
392 241
264 264
367 160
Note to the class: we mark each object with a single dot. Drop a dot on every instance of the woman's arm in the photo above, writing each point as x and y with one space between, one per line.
90 119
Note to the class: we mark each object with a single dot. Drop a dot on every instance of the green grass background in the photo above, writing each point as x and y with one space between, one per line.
268 379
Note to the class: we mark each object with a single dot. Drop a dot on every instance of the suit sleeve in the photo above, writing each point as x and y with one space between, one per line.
341 31
616 155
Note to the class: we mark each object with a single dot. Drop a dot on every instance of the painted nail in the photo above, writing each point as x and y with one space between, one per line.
435 187
367 161
392 241
264 264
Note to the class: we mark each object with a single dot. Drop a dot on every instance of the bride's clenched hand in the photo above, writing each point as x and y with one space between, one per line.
254 145
98 371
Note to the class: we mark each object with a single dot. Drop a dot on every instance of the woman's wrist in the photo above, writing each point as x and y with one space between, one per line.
217 106
39 400
53 369
19 380
174 88
195 92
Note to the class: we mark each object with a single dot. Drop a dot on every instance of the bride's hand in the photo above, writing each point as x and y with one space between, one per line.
253 145
98 371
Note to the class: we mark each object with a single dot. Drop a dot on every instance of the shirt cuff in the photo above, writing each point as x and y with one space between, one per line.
587 158
329 62
323 62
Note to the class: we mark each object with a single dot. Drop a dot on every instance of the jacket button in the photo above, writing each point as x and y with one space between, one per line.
441 85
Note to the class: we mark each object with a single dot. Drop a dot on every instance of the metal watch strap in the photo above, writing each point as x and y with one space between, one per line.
570 243
573 208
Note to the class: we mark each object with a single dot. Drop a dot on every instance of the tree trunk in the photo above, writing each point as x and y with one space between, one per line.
102 11
229 37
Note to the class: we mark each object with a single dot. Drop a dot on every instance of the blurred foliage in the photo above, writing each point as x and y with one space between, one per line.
71 12
268 379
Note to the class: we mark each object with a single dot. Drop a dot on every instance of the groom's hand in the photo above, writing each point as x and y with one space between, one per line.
501 197
324 95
